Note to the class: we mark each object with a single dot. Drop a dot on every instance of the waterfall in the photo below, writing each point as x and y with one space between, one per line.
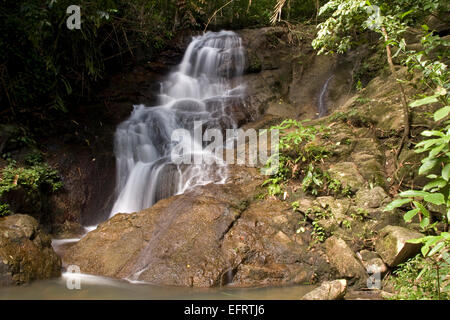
202 91
322 105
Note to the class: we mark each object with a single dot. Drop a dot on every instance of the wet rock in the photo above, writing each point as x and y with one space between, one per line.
330 290
25 251
392 245
344 260
259 245
207 237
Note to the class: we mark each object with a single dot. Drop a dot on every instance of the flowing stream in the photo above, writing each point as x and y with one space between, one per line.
202 91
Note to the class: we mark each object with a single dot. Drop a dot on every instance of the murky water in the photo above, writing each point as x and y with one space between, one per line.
93 288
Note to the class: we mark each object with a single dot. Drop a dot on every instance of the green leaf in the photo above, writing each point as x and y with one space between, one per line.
396 203
410 214
438 183
424 250
413 193
436 248
423 101
441 113
425 222
422 209
429 133
446 172
406 13
427 166
435 198
416 241
435 151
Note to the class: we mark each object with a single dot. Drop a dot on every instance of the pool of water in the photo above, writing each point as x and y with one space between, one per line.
93 287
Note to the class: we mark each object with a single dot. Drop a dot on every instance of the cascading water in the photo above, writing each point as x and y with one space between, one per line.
202 91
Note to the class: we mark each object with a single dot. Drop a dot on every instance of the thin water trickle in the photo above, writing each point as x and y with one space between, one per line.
322 103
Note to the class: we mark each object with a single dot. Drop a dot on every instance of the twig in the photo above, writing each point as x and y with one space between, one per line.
214 14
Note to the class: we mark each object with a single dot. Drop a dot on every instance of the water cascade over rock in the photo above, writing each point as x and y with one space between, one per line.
204 90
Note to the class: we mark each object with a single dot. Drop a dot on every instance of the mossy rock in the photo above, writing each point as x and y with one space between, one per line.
26 253
348 174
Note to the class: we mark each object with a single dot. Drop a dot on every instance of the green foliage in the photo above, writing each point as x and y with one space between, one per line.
301 158
4 210
35 179
436 164
352 117
347 19
360 214
313 215
318 233
415 279
294 151
43 63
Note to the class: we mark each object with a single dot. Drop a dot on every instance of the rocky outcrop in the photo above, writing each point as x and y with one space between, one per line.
26 253
290 82
393 247
210 236
329 290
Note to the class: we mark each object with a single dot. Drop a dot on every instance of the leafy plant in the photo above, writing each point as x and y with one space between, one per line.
36 180
415 279
4 209
318 232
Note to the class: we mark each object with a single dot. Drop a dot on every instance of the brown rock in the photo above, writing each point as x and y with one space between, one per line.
207 237
343 259
393 247
330 290
25 251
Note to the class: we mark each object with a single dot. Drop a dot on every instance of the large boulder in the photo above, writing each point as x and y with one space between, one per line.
344 260
26 253
392 245
210 236
329 290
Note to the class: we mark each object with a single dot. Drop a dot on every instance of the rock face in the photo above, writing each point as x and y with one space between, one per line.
290 82
344 260
330 290
207 237
26 253
392 244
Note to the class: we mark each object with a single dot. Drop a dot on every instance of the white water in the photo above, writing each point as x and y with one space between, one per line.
203 89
